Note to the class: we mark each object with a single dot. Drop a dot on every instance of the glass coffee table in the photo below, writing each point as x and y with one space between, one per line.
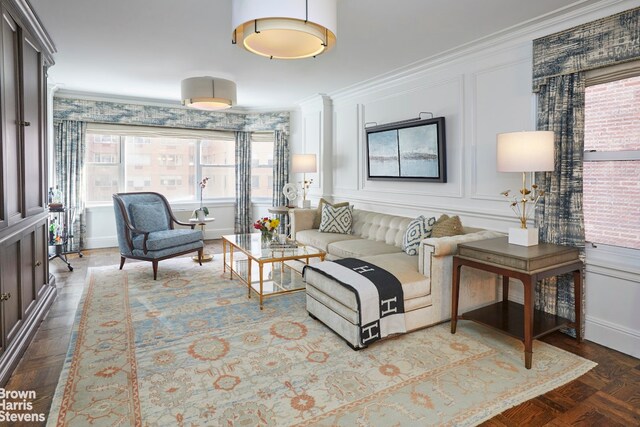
264 269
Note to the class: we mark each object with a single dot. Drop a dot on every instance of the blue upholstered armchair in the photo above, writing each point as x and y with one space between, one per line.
145 222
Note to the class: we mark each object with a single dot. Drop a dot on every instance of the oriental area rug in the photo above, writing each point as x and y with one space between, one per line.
190 349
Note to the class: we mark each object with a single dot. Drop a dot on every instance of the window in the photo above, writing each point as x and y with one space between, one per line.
612 163
102 166
218 159
262 165
171 162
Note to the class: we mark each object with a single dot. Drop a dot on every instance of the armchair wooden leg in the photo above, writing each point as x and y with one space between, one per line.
122 260
200 254
155 269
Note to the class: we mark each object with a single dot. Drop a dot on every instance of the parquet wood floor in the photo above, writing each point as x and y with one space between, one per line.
608 395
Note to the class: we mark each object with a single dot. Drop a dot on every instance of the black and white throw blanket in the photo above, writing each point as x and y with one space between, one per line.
378 292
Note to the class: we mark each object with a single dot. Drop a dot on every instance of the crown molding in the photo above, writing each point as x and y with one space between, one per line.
35 25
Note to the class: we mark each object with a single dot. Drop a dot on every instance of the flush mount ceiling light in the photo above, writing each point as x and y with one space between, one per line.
285 29
208 93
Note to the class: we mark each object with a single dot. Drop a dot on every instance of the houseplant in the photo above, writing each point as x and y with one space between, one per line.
267 227
202 212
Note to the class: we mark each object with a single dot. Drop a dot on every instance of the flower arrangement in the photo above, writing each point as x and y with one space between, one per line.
204 209
266 226
523 206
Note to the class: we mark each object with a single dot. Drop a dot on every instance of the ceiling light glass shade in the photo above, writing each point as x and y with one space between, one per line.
525 151
285 29
208 93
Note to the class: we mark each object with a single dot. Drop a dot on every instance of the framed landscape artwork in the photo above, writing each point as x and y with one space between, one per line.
411 151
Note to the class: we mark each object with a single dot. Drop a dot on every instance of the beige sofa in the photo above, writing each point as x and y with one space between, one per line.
425 278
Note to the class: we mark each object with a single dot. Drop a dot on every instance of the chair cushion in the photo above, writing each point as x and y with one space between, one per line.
169 252
149 217
336 220
318 217
417 230
167 239
360 247
321 240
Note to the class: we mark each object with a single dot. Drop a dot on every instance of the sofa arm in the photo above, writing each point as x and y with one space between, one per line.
443 246
301 219
477 288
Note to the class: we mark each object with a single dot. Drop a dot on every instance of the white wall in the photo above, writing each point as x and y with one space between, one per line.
481 90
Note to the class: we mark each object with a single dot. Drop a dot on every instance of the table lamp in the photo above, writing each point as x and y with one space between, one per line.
525 152
304 163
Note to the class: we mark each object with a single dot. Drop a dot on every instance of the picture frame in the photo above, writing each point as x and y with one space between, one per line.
413 150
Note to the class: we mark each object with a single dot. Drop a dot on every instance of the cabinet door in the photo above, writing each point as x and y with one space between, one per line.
31 124
10 288
40 259
27 271
11 211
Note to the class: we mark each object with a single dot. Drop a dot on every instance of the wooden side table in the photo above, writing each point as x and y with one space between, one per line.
529 264
206 257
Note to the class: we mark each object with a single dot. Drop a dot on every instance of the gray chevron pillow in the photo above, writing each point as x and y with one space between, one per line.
336 219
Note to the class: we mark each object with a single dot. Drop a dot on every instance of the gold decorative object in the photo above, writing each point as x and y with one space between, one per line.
525 152
523 206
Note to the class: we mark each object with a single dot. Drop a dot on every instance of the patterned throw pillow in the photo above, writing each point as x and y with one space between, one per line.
321 203
336 220
418 229
447 226
149 217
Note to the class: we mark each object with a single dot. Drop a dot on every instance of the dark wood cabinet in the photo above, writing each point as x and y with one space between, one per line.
26 289
10 118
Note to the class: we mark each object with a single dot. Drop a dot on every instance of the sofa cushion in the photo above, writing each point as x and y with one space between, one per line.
336 220
405 268
381 227
167 239
360 247
417 230
149 217
321 240
447 226
321 203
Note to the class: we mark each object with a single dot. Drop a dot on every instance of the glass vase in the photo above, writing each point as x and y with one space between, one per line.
266 237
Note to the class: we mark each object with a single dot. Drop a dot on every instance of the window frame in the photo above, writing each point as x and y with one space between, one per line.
124 131
258 138
594 78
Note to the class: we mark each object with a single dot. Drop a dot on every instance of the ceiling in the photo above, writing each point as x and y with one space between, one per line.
143 48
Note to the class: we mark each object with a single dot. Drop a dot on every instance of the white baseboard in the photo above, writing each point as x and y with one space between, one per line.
101 242
614 336
608 334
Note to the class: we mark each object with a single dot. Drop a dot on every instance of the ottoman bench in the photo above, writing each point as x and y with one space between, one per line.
337 307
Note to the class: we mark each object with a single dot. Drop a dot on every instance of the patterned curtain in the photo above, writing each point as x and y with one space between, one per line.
560 215
559 63
243 183
69 148
280 173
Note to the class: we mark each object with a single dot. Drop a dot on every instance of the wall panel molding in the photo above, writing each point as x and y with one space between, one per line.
476 186
403 188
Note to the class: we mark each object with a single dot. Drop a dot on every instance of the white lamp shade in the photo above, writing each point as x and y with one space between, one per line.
285 29
525 151
208 93
303 163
